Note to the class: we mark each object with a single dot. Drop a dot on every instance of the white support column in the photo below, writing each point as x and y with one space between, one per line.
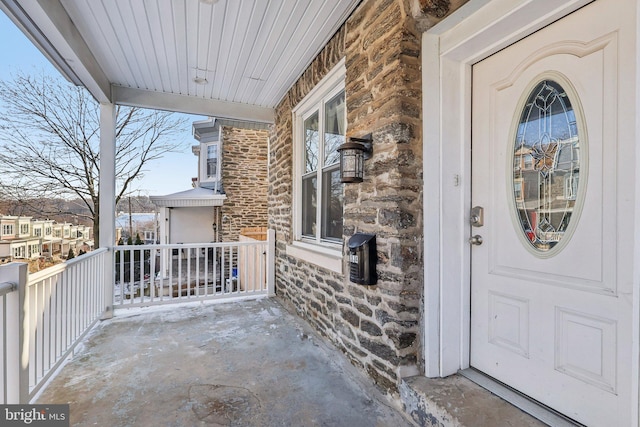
108 197
164 225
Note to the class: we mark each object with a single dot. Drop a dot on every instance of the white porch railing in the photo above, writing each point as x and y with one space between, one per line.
163 274
44 316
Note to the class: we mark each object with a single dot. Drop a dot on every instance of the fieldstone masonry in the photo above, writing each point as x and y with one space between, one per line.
377 327
244 175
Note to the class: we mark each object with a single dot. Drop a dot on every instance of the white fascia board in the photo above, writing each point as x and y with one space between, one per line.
191 105
172 201
188 203
200 127
52 20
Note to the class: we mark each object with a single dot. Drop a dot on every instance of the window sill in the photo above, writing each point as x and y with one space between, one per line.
322 256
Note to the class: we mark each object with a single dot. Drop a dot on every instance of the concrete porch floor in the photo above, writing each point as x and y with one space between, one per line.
245 363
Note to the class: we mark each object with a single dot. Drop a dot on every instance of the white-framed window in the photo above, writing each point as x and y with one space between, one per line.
47 231
34 250
320 127
7 230
210 161
37 232
24 229
19 252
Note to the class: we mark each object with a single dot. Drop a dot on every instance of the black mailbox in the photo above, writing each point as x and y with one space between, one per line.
363 259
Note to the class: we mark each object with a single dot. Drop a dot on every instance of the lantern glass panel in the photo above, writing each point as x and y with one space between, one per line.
352 163
349 163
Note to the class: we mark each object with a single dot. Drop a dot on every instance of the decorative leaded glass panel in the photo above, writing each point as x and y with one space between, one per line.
546 165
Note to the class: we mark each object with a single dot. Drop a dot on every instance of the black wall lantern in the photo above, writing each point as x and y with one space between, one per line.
352 156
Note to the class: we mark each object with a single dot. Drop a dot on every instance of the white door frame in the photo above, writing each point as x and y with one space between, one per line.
474 32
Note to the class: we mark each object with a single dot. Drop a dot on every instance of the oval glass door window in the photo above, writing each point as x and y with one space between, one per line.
546 166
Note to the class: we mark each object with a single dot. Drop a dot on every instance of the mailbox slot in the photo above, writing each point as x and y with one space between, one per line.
363 259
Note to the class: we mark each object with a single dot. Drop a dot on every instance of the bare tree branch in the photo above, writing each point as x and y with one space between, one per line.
49 136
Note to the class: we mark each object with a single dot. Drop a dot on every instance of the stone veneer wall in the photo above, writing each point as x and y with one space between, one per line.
377 327
244 180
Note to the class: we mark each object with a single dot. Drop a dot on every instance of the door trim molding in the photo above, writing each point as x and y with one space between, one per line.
475 31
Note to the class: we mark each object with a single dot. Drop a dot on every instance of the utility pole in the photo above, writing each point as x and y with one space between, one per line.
130 220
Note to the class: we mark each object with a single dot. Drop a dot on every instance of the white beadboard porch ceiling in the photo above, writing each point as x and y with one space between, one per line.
148 52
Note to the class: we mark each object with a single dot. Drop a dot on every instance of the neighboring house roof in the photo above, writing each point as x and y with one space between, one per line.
209 128
190 198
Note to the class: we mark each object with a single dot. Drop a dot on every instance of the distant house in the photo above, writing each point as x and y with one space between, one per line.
48 239
230 191
85 238
24 238
7 236
144 224
16 240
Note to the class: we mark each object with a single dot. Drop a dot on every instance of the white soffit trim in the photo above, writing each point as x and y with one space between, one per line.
192 105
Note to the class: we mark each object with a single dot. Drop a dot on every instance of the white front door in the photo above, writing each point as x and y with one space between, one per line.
548 315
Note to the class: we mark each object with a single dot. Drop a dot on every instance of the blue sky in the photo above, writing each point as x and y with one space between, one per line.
168 175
